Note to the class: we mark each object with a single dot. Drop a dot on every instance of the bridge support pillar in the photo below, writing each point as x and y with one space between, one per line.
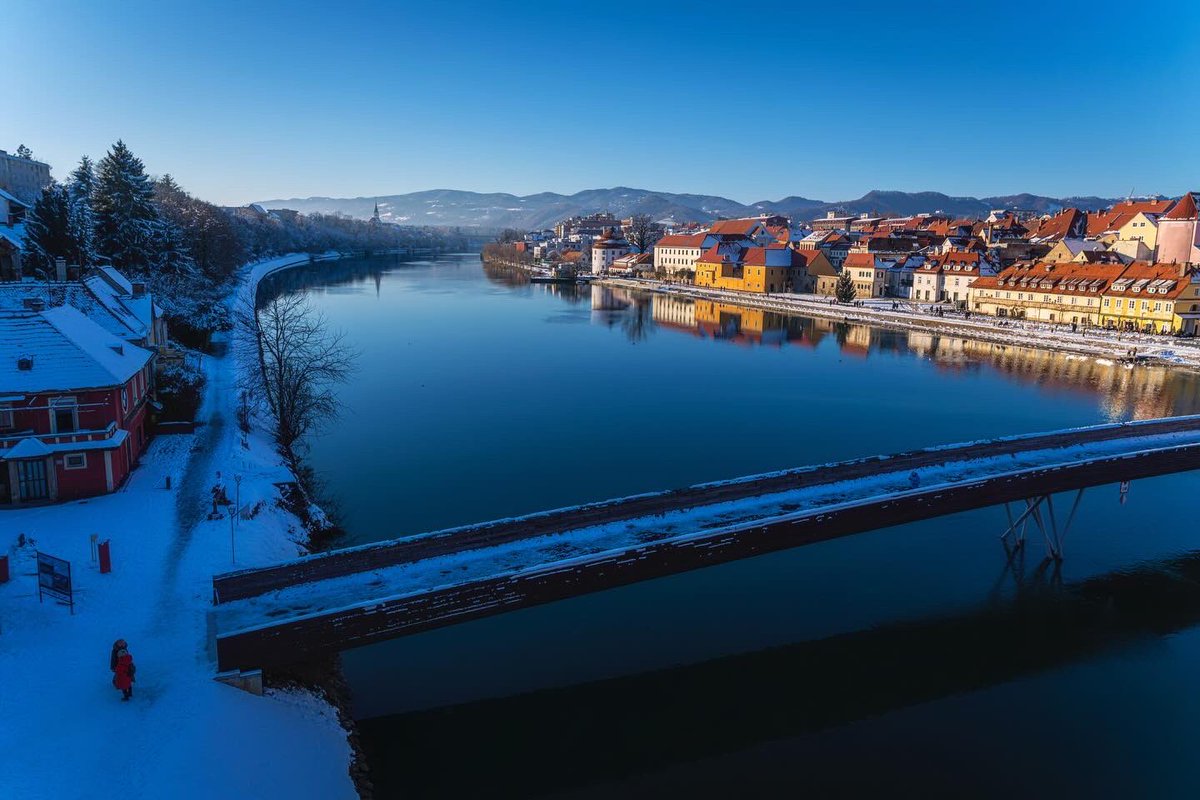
1013 537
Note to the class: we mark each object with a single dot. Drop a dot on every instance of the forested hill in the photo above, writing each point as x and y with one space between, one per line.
502 210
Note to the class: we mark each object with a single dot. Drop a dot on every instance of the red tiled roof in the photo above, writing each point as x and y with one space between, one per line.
1184 209
860 260
1068 222
682 240
1149 206
1140 271
735 227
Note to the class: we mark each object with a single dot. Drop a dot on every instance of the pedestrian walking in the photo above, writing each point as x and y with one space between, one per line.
123 669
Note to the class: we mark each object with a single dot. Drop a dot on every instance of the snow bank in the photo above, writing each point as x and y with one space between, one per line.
65 732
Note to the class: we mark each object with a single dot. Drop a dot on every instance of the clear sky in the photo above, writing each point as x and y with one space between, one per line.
255 100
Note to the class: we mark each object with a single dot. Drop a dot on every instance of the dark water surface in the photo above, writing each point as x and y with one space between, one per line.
911 659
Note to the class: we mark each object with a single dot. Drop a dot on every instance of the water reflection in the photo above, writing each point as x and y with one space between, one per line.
1137 393
1125 393
534 743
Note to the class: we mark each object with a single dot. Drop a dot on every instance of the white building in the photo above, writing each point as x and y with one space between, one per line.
678 252
607 249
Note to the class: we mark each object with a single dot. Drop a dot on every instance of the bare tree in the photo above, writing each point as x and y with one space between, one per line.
642 233
295 362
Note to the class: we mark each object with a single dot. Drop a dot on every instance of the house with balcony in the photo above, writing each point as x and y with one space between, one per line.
74 403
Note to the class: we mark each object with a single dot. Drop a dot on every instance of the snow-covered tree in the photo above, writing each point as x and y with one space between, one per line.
126 218
82 217
49 232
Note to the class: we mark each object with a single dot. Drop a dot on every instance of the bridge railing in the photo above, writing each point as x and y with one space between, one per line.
243 584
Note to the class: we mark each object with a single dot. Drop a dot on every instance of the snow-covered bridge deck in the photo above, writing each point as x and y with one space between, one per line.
347 598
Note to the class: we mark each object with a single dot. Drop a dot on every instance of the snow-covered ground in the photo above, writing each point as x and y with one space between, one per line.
879 311
555 551
64 731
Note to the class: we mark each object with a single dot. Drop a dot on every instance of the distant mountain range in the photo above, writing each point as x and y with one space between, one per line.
501 210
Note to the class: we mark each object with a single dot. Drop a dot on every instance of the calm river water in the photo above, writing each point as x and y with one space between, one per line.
911 659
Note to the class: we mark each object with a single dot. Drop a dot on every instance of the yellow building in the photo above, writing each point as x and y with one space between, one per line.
1064 293
742 268
870 278
1152 298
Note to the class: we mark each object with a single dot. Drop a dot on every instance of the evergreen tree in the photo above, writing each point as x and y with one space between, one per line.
844 291
48 231
83 178
126 218
24 152
82 217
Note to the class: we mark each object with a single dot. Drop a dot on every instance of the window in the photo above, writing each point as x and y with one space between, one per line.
64 415
124 399
6 416
75 461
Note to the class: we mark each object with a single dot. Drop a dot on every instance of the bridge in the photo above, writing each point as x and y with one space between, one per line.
322 604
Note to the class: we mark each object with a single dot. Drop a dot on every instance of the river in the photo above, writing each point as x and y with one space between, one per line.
914 656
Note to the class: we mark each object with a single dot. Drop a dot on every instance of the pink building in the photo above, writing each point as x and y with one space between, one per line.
1178 240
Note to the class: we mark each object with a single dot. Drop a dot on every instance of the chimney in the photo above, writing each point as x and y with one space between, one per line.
25 363
139 289
60 269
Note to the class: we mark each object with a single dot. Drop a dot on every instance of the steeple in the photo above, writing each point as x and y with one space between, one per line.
375 216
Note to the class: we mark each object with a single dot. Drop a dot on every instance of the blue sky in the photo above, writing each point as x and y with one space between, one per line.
249 100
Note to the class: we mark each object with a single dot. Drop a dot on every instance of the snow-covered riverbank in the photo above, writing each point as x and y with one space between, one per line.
878 311
65 731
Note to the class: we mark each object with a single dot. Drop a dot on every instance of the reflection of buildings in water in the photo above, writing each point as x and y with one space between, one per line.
855 340
608 298
743 325
675 312
1138 393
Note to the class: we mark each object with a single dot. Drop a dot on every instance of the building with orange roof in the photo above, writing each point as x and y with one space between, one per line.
1070 223
675 253
868 272
1063 293
1179 234
1153 205
607 249
753 229
1136 236
1153 298
948 277
743 268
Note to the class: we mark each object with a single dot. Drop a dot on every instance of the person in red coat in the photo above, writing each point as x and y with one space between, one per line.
123 672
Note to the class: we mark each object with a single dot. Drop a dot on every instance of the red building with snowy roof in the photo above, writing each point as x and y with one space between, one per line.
73 406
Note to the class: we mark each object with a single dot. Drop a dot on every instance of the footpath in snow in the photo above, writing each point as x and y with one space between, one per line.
879 311
64 731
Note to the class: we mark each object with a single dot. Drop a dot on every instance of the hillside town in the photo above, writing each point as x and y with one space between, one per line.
1128 267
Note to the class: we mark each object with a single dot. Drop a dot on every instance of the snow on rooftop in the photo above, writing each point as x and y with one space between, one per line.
68 351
